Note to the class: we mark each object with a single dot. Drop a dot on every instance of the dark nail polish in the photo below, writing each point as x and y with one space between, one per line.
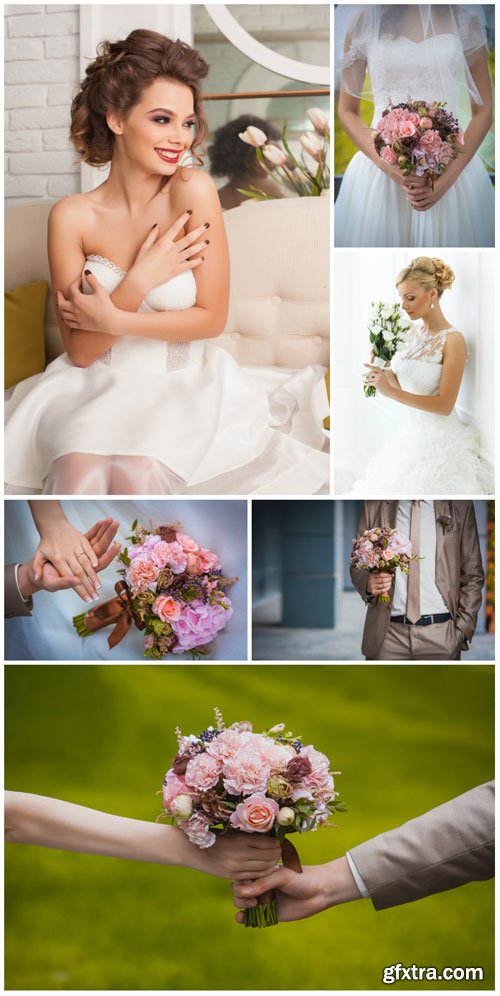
207 224
87 272
189 212
203 257
207 242
154 226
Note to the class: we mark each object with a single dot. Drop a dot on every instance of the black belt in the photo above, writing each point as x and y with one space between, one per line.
424 620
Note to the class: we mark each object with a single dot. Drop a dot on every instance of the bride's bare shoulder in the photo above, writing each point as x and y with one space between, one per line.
188 183
74 210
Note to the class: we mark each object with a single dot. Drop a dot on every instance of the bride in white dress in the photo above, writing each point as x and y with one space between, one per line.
141 402
431 52
433 452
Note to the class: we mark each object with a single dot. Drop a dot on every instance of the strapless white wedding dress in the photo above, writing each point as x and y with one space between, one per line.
371 209
156 417
429 454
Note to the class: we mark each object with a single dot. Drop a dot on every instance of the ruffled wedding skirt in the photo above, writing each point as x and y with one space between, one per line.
372 210
430 455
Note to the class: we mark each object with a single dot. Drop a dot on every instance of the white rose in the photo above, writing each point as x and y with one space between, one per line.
285 816
182 807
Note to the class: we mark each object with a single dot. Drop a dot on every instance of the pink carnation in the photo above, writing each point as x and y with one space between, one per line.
203 772
227 744
173 786
141 573
255 815
197 829
246 772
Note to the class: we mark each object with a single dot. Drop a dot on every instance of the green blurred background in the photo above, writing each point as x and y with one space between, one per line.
406 739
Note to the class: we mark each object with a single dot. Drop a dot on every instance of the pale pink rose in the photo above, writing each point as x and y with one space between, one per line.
197 829
227 744
407 129
388 155
203 772
141 573
188 544
426 123
274 155
173 786
167 608
246 772
387 554
253 136
413 117
255 815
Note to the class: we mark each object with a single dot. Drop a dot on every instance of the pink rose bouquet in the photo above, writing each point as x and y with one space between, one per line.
382 549
418 137
173 588
232 779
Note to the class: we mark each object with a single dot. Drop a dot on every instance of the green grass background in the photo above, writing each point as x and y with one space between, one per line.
406 739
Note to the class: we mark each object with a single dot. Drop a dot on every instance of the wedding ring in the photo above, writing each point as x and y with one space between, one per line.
410 186
82 554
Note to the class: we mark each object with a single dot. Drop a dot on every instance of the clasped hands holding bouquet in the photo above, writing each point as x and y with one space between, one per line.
422 192
158 260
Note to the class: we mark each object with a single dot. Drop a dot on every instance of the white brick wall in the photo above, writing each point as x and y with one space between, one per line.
41 73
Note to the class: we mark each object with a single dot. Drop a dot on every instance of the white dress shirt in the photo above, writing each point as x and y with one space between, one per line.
356 876
431 602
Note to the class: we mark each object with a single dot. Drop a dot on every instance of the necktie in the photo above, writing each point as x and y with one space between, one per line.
413 596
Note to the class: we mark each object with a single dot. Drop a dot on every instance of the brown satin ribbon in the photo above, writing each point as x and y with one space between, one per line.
116 610
290 860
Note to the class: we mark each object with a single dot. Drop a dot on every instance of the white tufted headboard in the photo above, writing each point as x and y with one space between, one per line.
278 313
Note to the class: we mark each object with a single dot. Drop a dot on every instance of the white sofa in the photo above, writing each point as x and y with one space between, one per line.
279 251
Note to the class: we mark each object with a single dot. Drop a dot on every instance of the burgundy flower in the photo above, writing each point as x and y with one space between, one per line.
298 768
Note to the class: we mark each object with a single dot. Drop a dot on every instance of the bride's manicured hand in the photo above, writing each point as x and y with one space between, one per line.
379 583
409 184
301 895
71 553
161 258
239 856
378 377
424 198
89 312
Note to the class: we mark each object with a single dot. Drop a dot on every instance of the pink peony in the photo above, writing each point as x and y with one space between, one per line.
227 744
199 624
141 573
255 815
388 155
173 786
203 772
246 772
167 608
188 545
197 829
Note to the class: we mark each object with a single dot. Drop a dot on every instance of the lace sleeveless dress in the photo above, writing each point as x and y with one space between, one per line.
430 454
156 417
372 210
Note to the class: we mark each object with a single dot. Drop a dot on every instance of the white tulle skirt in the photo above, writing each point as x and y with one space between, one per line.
207 428
372 210
429 455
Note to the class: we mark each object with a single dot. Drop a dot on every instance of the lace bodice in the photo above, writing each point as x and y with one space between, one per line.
399 68
419 365
137 353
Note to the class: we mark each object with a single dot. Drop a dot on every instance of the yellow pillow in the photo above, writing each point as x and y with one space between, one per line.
24 326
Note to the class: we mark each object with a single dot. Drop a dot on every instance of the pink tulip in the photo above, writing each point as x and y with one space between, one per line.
253 136
275 156
318 119
312 144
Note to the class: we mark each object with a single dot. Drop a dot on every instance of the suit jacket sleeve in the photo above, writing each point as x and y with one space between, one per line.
471 575
446 847
360 578
14 604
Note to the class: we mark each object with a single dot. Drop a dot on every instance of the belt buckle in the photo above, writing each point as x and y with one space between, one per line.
425 620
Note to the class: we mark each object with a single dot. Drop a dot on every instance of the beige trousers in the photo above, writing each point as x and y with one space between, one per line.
437 642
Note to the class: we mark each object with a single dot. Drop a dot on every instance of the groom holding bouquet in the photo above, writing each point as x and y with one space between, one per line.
432 612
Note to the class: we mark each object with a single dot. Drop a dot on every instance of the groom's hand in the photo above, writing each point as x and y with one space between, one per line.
300 895
379 584
39 574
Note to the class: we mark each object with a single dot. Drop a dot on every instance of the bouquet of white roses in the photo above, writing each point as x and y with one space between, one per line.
388 334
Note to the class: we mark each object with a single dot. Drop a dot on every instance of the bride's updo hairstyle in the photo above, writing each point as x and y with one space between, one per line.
428 272
115 81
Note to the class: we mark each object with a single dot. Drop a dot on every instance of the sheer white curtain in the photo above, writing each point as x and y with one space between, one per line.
364 276
49 634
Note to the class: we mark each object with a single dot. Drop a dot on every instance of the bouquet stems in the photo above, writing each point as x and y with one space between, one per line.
384 599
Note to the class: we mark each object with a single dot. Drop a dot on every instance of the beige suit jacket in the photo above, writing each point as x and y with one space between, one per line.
14 604
459 569
446 847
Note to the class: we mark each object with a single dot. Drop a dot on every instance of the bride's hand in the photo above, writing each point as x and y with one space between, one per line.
239 856
425 198
409 184
72 554
160 259
379 378
89 312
